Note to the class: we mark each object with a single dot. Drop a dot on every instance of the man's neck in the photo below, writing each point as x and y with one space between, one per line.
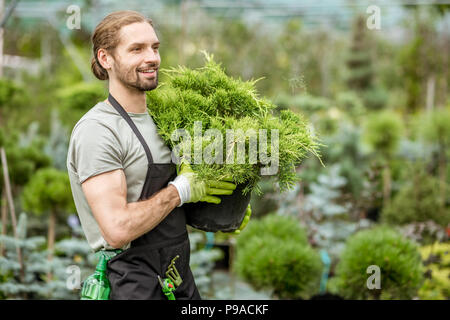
132 100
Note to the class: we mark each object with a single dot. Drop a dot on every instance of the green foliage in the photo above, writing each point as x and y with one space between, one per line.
11 285
327 216
422 59
12 95
408 58
309 70
23 161
436 258
418 200
29 159
350 103
223 103
362 69
383 132
344 148
58 142
284 228
77 99
14 104
48 190
375 98
436 127
273 253
304 103
35 285
401 270
359 61
2 138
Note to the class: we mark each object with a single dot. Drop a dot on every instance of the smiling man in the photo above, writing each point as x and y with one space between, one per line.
125 187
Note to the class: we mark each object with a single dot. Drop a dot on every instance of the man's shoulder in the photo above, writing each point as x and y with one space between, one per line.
99 117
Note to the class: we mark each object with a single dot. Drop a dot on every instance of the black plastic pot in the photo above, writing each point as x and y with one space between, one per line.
226 216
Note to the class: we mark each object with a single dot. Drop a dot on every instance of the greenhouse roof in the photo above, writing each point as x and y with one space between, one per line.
332 13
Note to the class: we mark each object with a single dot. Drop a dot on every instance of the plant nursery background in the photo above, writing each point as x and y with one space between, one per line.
372 78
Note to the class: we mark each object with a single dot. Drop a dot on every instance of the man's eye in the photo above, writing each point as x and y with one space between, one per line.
136 49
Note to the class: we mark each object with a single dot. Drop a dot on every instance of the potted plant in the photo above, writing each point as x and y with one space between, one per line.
225 130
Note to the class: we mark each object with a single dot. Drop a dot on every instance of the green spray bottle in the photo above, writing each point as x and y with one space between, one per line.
96 286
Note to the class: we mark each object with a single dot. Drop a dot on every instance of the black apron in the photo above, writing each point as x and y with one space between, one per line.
133 273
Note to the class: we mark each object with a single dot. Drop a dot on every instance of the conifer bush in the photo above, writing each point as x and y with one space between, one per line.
273 253
77 99
47 193
383 132
398 259
284 228
436 258
221 102
418 200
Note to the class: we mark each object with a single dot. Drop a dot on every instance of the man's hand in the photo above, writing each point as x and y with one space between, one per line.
244 223
192 189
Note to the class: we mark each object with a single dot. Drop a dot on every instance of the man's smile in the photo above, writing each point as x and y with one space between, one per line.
149 72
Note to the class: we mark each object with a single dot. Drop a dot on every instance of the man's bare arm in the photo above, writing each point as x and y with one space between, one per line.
121 222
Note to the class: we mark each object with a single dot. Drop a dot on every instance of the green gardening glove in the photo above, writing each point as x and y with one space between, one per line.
192 189
244 222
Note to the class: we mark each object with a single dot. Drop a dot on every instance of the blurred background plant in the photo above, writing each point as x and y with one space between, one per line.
436 259
396 257
378 99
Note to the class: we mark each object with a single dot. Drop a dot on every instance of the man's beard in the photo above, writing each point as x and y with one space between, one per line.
131 79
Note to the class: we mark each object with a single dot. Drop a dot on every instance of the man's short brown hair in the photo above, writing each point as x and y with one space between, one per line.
106 36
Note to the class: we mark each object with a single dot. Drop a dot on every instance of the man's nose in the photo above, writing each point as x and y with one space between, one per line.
152 56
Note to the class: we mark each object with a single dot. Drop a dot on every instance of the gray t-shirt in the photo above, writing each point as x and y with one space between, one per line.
103 141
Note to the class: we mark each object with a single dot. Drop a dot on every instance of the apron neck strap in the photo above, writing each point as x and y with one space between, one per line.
127 118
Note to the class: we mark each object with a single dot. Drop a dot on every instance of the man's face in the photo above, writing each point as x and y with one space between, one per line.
136 58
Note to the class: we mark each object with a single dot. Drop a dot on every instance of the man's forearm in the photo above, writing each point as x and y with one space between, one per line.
142 216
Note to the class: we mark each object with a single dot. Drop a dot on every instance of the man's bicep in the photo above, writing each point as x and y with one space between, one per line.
95 149
106 195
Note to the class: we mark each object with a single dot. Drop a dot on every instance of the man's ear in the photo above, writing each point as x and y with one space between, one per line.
104 58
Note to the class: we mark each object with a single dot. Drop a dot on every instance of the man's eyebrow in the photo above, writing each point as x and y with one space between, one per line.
143 44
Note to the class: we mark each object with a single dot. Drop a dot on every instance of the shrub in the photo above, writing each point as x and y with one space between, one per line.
417 201
222 103
310 104
14 98
383 132
284 228
349 102
47 192
401 270
375 98
304 102
436 258
436 127
273 253
23 161
77 99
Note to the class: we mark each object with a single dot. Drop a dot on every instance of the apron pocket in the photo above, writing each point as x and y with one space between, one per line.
133 274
